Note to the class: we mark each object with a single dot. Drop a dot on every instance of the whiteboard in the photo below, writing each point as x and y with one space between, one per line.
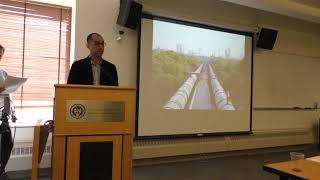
285 80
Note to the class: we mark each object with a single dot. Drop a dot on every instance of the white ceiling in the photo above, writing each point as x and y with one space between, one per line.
308 10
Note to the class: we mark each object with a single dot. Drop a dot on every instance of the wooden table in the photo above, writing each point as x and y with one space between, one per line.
309 169
36 142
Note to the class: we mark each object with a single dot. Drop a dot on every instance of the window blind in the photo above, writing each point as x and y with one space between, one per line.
37 41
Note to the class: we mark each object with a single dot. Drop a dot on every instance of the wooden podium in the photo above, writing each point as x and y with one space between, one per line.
93 134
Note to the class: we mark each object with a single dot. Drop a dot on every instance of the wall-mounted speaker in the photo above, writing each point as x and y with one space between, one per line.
129 14
267 38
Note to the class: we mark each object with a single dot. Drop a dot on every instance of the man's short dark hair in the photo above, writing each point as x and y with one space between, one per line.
1 48
89 37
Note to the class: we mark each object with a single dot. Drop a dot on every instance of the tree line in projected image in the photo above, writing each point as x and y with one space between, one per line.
172 66
171 69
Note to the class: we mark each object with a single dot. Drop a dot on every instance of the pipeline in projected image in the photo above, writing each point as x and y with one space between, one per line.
197 68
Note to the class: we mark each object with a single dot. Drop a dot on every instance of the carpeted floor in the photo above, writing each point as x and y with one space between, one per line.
241 167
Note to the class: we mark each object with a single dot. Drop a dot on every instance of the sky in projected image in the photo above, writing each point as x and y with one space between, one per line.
197 41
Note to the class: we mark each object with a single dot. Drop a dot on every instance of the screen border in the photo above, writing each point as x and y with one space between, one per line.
195 24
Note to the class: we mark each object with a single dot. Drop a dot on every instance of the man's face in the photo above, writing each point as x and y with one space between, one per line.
1 53
96 46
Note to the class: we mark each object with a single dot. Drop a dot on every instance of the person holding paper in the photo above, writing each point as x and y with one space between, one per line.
8 84
3 74
3 95
94 70
6 144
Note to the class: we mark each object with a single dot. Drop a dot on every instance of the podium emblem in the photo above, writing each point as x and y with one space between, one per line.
77 111
95 111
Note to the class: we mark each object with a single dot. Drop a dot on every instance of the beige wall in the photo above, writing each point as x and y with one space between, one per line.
101 16
295 36
271 128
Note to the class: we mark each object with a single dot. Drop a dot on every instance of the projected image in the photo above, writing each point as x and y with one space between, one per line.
196 68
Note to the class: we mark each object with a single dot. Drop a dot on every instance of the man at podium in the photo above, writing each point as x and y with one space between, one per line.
94 70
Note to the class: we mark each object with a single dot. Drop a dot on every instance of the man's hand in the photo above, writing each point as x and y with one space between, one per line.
2 89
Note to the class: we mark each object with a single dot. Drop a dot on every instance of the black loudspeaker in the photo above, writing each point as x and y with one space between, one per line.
267 38
129 14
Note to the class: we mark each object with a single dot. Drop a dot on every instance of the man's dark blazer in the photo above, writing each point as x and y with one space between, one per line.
81 73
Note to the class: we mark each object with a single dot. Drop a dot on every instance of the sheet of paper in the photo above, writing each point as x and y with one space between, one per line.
315 158
12 83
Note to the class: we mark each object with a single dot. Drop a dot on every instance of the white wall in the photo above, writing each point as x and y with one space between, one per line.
295 36
100 16
270 128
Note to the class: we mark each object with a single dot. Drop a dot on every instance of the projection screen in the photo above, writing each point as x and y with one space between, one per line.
193 79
